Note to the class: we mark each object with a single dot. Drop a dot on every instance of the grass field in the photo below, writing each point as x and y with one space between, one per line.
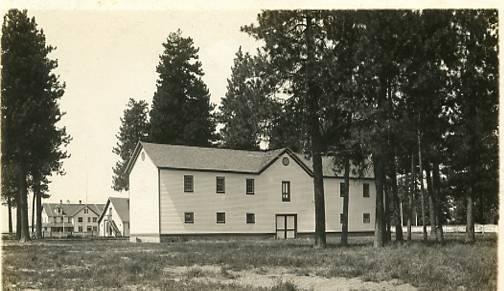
250 265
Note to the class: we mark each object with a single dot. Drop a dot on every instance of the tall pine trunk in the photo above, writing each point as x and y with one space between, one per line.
422 187
24 232
411 195
436 184
39 214
316 140
344 226
9 207
395 200
432 212
470 237
386 211
33 215
18 219
37 202
379 172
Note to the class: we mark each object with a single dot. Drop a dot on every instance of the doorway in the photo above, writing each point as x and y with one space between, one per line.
286 226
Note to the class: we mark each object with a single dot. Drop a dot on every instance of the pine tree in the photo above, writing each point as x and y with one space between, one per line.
295 45
246 109
30 92
134 128
181 110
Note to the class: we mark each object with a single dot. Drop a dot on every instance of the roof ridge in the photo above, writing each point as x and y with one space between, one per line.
209 147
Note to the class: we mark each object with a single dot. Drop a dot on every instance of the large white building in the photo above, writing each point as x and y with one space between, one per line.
185 191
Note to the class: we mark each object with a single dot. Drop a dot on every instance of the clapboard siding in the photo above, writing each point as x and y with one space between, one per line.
265 203
122 226
144 199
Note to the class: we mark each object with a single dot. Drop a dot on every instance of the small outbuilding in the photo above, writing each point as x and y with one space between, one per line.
114 220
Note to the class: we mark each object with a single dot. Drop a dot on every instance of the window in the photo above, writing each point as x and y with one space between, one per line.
250 218
80 228
85 211
69 219
221 185
221 217
95 228
188 183
94 219
89 219
366 218
55 220
188 217
342 189
286 191
285 161
250 186
365 190
62 219
79 219
341 218
89 229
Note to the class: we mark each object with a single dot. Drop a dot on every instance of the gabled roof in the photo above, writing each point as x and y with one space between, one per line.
207 159
121 205
329 170
70 209
183 157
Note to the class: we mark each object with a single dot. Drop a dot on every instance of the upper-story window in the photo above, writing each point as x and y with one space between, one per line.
286 191
250 186
89 219
79 219
220 185
94 219
188 183
85 211
365 190
342 189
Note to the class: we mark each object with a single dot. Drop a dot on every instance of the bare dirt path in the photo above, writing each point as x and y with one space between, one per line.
269 277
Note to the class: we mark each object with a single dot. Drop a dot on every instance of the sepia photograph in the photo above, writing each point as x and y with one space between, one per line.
202 146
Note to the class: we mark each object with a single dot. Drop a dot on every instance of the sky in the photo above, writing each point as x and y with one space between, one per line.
107 57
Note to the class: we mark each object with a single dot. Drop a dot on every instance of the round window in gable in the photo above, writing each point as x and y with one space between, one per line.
142 156
285 161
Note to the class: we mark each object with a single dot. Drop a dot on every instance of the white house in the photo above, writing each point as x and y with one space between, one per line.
70 218
185 191
114 220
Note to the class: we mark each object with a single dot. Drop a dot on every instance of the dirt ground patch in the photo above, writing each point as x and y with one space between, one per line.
270 277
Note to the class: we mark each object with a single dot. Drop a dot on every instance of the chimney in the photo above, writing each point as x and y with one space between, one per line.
61 201
80 201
